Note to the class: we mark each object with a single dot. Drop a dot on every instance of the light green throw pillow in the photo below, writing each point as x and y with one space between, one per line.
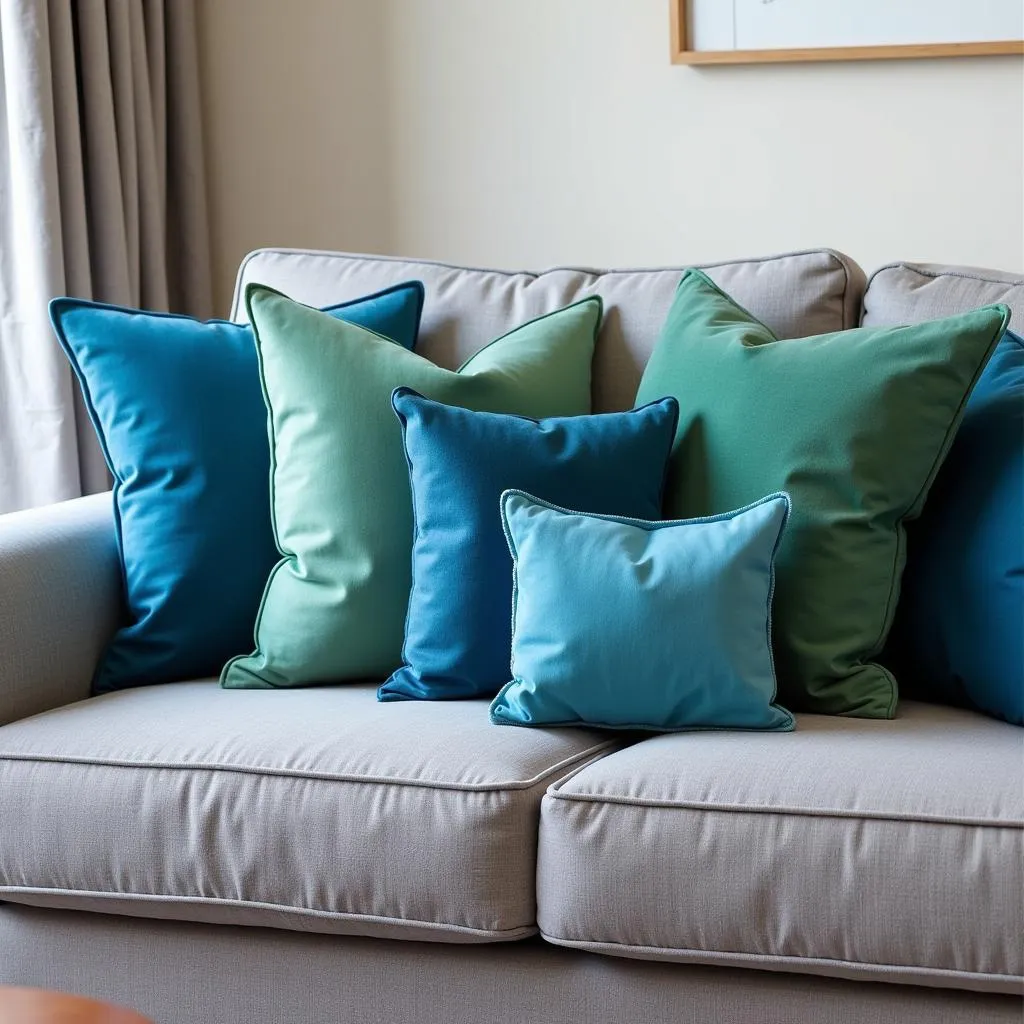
334 607
854 426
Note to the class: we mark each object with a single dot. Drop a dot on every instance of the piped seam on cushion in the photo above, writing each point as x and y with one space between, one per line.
936 275
837 257
520 931
586 756
1013 982
554 792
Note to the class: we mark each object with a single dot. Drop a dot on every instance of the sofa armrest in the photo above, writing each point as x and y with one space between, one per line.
60 600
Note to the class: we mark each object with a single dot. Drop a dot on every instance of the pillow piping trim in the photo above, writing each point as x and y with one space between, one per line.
912 510
56 309
402 391
651 526
250 289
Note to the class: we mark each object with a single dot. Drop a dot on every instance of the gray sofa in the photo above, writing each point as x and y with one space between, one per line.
219 857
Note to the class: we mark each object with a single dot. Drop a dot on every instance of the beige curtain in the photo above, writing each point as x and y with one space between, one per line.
101 195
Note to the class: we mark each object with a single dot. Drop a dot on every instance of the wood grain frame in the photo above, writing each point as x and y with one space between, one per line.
682 54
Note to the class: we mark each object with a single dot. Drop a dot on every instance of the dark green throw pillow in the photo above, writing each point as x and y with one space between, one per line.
854 426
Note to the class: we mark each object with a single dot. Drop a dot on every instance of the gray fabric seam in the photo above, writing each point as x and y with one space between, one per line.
803 812
936 275
589 753
594 272
863 965
259 905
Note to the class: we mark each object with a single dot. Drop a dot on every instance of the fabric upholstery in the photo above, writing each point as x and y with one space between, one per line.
906 293
959 633
958 637
633 624
180 973
60 601
854 425
885 850
179 411
334 607
457 637
796 294
293 809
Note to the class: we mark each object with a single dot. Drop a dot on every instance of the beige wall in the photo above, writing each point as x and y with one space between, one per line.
537 132
296 147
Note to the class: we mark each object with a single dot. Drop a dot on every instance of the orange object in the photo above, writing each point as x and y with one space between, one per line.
34 1006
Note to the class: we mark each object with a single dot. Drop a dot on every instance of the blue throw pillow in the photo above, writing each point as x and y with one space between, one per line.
959 631
179 411
627 624
457 635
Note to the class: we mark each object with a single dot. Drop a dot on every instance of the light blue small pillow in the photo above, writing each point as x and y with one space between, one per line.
631 624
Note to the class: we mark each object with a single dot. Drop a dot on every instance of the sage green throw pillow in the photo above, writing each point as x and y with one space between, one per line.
334 606
854 426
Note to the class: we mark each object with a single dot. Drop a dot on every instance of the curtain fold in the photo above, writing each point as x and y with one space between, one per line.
102 195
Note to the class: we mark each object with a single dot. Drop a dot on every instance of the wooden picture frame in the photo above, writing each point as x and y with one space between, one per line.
683 53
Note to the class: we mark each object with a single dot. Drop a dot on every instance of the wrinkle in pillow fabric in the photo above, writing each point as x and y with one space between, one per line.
959 630
854 427
179 412
632 624
334 607
457 634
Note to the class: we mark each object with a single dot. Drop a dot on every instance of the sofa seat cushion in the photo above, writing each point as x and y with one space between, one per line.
317 810
890 850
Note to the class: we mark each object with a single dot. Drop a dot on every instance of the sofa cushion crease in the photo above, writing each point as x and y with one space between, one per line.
291 810
836 969
257 914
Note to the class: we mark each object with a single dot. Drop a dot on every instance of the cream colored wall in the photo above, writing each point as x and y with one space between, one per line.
555 131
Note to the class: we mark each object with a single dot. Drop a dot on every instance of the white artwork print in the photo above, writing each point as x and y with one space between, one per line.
800 24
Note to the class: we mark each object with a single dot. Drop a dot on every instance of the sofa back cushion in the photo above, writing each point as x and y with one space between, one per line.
796 295
907 293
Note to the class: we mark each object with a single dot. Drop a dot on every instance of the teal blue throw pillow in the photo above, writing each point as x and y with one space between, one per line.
632 624
179 411
958 637
457 636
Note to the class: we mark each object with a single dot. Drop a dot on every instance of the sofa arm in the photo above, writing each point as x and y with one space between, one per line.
60 599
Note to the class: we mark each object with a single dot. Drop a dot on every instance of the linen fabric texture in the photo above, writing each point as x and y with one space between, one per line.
632 624
334 607
457 632
179 412
283 974
854 426
959 630
887 851
322 811
796 294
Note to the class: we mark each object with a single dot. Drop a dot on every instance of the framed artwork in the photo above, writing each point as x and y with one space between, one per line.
778 31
